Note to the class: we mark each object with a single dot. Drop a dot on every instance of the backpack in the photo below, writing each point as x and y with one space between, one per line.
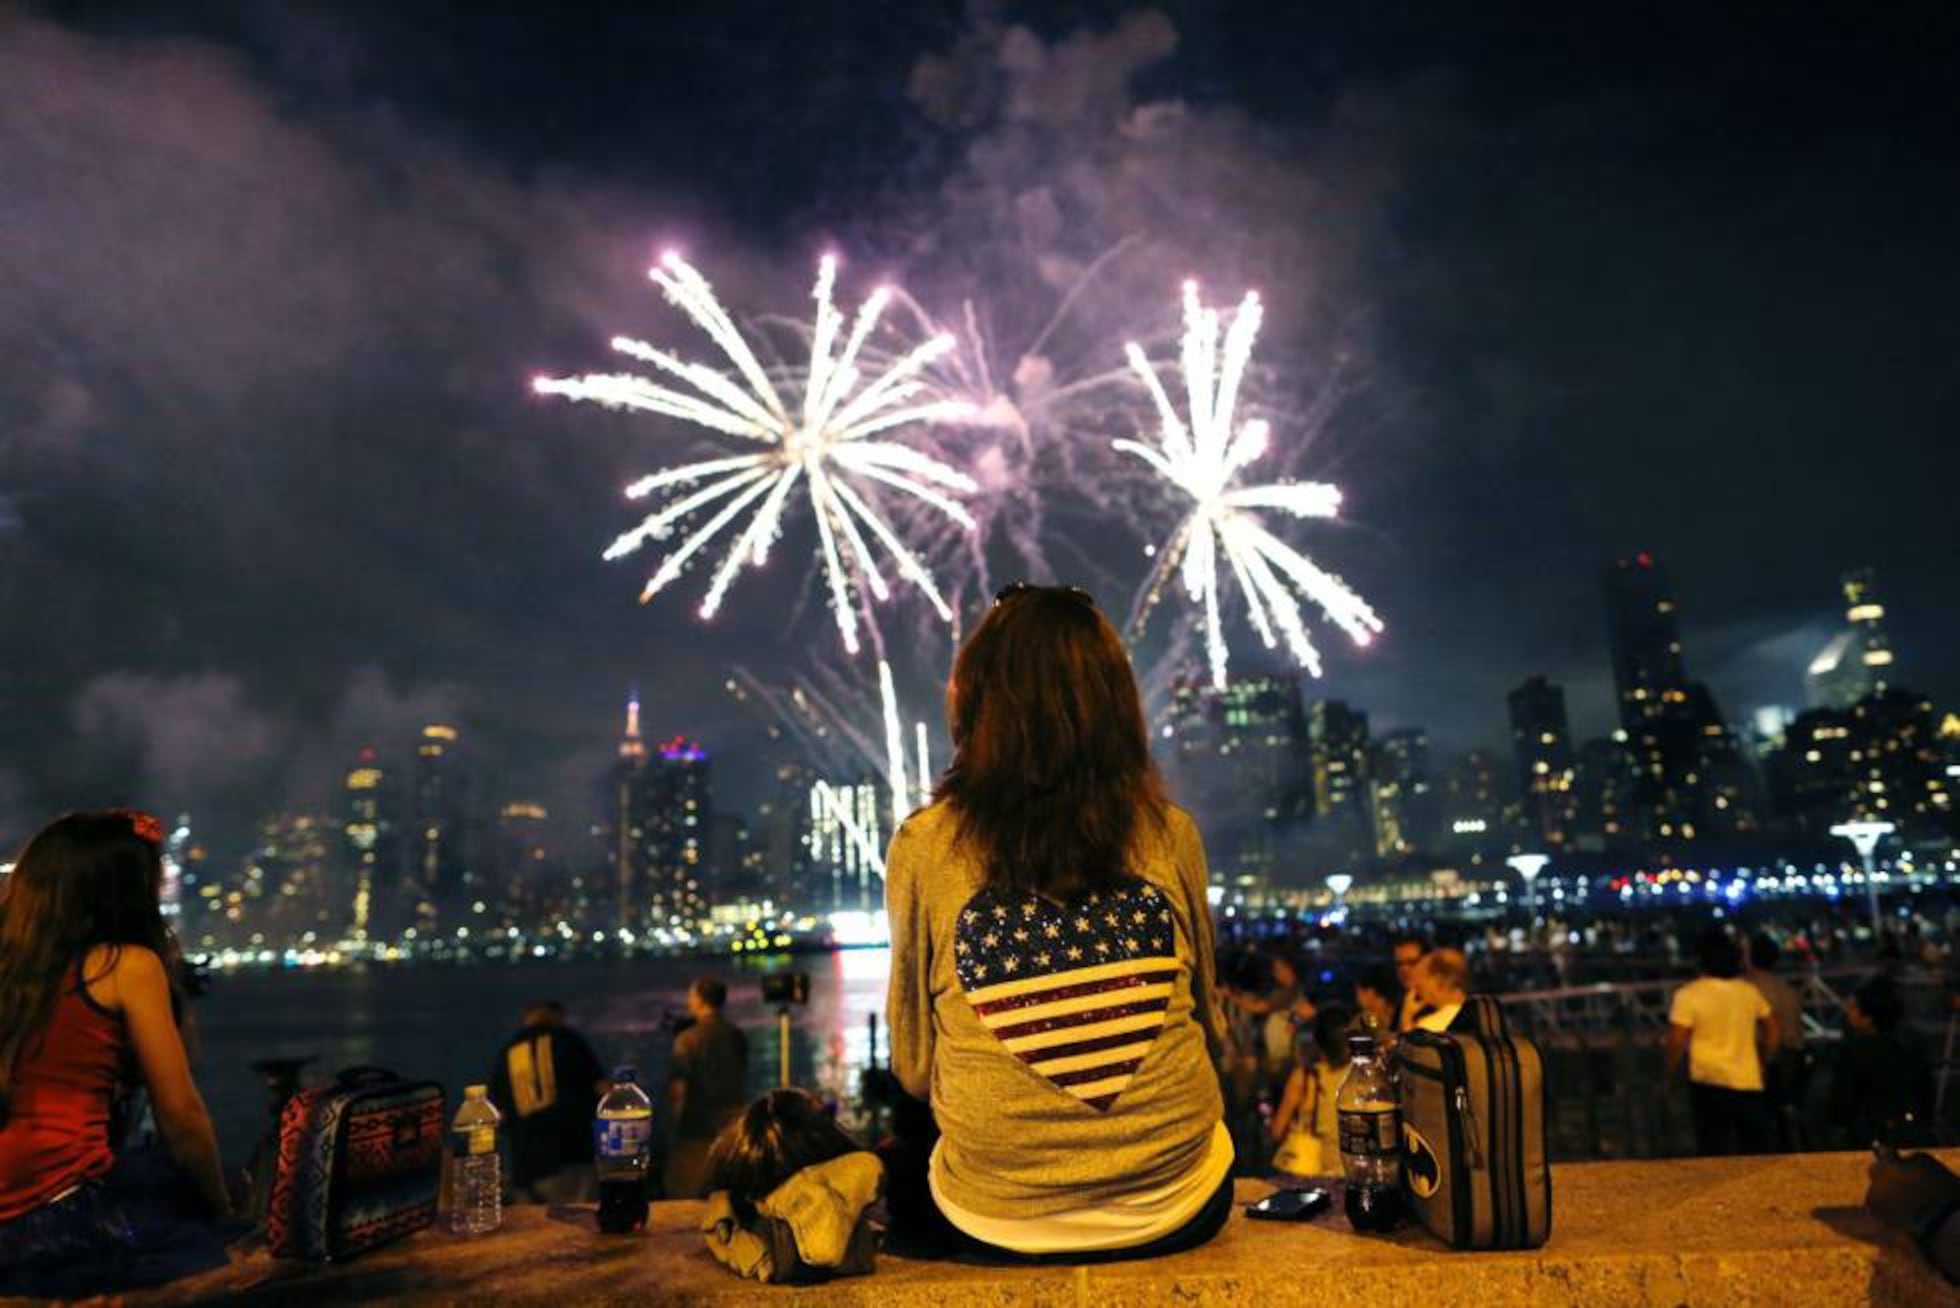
360 1164
1473 1132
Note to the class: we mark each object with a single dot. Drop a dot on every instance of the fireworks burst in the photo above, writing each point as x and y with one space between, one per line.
1202 460
827 426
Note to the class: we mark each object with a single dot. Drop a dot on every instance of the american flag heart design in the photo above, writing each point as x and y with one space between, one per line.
1077 991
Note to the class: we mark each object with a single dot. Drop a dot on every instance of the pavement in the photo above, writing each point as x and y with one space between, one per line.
1785 1230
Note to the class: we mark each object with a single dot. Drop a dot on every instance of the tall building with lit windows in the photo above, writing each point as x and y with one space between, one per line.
1477 807
845 835
1241 763
1408 804
677 823
1663 717
371 841
622 823
1547 771
439 883
1858 660
657 828
1343 807
1607 803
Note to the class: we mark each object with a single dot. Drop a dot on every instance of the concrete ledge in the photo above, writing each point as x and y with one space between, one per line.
1784 1230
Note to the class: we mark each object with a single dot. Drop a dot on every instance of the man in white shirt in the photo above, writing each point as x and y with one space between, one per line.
1442 983
1714 1023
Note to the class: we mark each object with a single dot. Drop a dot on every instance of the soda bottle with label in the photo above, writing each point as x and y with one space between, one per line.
622 1150
1371 1139
476 1183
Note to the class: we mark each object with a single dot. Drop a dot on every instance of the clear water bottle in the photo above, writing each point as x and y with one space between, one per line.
476 1190
622 1152
1371 1139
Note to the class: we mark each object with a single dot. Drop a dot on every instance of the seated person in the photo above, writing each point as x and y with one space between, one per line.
547 1082
1306 1107
1052 958
790 1190
1377 1002
1881 1086
87 997
1442 983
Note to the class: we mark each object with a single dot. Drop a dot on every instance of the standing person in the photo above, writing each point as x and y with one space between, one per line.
1442 984
709 1089
1052 964
1409 949
88 1008
1784 1077
1714 1023
548 1082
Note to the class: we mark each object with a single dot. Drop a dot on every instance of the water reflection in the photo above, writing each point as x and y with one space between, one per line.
446 1023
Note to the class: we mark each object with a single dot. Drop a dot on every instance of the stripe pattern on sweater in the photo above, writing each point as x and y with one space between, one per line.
1077 991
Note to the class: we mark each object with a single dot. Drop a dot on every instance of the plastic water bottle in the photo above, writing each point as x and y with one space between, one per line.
476 1192
622 1151
1371 1139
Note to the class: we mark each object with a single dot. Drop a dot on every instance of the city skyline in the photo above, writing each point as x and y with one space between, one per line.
406 743
1542 288
1286 786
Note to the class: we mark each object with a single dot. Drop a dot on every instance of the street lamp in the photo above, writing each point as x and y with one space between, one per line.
1529 866
1864 836
1339 883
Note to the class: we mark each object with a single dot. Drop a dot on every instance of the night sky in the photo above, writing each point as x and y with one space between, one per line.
1546 283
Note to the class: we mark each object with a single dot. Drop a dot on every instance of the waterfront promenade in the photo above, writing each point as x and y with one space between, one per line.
1786 1230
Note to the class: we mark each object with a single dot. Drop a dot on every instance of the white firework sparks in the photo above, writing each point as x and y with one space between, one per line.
1202 459
827 426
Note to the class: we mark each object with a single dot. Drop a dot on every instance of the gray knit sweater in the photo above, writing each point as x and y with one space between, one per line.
1067 1050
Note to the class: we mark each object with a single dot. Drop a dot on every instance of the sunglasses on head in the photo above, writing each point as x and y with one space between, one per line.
1012 589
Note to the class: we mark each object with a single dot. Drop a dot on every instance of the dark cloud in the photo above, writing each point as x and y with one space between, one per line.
1543 286
180 740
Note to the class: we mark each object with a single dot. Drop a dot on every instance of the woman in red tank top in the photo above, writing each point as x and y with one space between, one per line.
87 1007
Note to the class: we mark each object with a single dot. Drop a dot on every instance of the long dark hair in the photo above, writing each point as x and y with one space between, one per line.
87 879
776 1137
1051 773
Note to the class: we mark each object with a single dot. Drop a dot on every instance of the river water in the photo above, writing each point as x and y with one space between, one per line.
446 1023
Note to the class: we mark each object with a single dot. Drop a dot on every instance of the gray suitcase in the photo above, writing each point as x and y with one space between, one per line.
1474 1168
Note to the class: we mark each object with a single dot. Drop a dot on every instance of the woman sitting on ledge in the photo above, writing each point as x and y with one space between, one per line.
1051 977
87 999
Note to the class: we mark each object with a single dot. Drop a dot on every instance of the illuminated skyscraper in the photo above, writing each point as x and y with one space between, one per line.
845 841
1240 762
1643 633
1407 801
659 813
1858 660
1900 766
288 893
624 824
373 845
1546 769
1607 809
520 861
1477 810
1343 801
678 816
1666 720
440 882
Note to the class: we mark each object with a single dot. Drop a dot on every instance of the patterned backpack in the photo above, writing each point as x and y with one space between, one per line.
360 1164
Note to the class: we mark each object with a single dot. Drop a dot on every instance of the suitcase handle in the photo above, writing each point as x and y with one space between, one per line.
1488 1015
363 1074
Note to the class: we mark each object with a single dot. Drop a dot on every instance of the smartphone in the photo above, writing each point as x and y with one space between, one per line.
1290 1206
